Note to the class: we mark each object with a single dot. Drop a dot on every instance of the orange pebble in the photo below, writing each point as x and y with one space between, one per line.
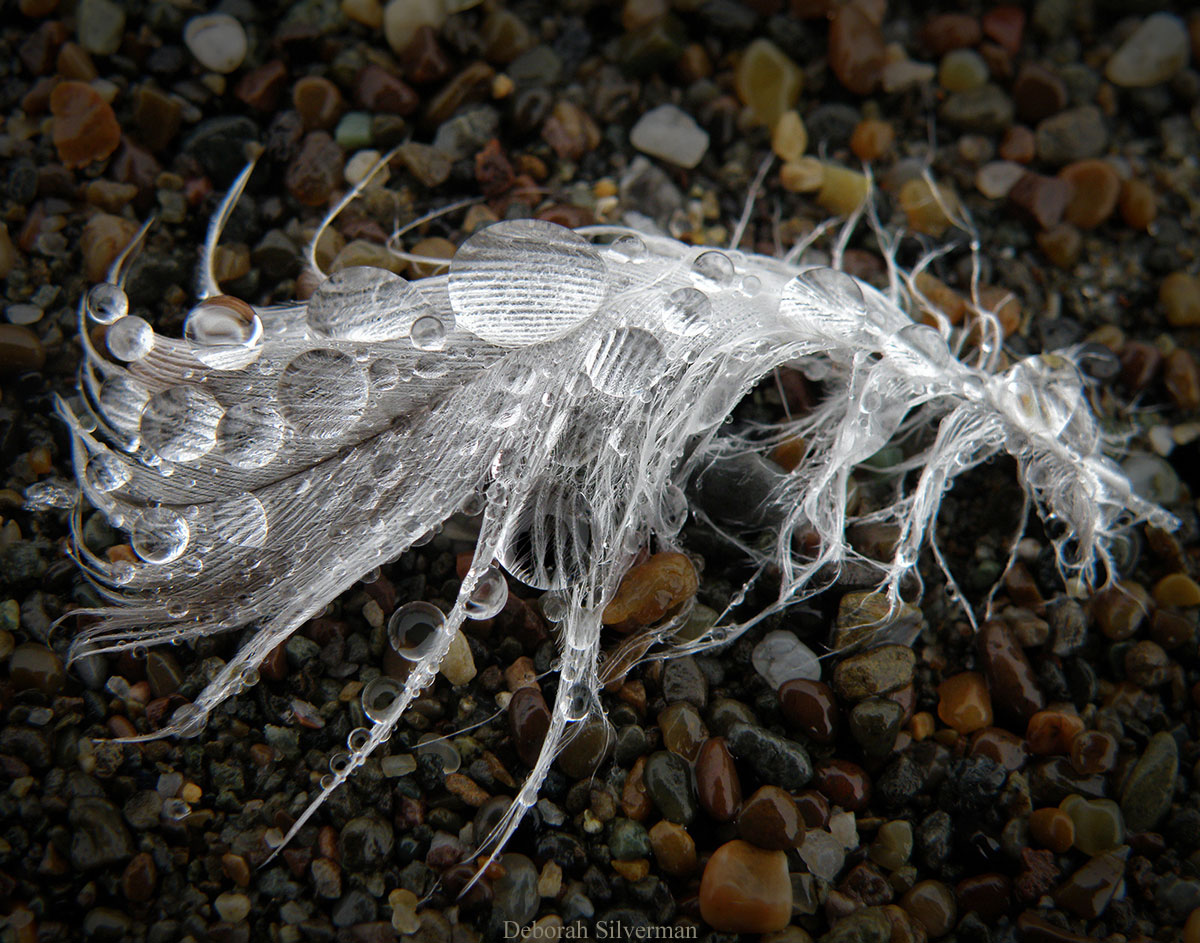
921 725
964 702
872 139
1052 828
651 589
1050 732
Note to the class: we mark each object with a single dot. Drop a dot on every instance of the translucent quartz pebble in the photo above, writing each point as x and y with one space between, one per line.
823 854
379 696
180 423
687 312
525 281
824 296
428 333
781 657
430 744
412 629
250 434
160 535
363 303
322 393
106 303
714 266
624 362
106 472
225 331
130 338
920 350
241 521
122 400
489 595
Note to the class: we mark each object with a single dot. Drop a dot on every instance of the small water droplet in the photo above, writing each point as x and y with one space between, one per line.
430 744
687 312
160 535
428 333
579 701
554 607
714 266
131 338
188 720
413 629
489 595
629 247
107 303
751 285
322 393
383 374
358 738
379 696
624 362
226 332
54 493
339 762
249 676
106 472
122 400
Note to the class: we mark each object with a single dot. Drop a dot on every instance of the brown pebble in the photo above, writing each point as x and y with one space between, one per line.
1052 828
945 32
1093 751
988 895
1051 731
423 59
528 720
674 849
139 878
260 87
1000 746
376 89
1061 244
1139 206
1043 198
1088 891
32 666
856 49
39 48
770 819
746 889
1179 294
872 139
810 707
635 801
1095 188
472 84
1172 629
1121 609
316 171
235 868
157 116
682 729
933 904
1181 376
652 589
85 128
813 808
1013 685
21 350
929 209
73 62
717 784
1146 664
318 101
845 784
1038 93
1018 144
570 131
1005 25
964 702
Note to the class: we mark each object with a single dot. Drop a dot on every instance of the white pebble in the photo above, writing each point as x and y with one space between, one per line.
23 314
1154 52
822 853
232 908
996 178
458 667
360 164
670 134
781 657
402 19
217 40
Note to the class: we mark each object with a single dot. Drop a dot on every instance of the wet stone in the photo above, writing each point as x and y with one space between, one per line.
934 905
529 720
628 840
1148 791
717 784
587 749
769 819
810 707
971 786
35 667
316 170
682 729
674 849
1038 93
1011 680
877 671
893 845
139 878
668 780
869 925
682 680
774 758
378 90
846 784
99 24
746 889
856 49
1071 135
781 657
1089 890
1097 825
874 724
1095 189
85 127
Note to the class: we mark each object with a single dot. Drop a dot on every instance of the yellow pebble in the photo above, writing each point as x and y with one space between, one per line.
789 139
928 209
842 190
1178 589
191 793
803 175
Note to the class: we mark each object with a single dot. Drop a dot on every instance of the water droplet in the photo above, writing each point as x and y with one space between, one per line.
53 493
322 393
687 312
160 535
131 338
524 281
673 509
250 434
489 595
428 333
241 520
431 367
714 266
106 303
106 472
226 332
624 362
554 607
249 676
751 285
122 400
358 738
921 349
363 303
579 701
430 744
413 629
827 299
180 423
629 247
379 696
371 576
339 763
383 374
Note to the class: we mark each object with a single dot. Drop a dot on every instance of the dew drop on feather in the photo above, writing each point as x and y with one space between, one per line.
250 434
525 281
363 303
160 535
106 303
412 629
130 338
489 595
241 520
714 266
378 697
322 393
687 312
428 333
180 423
624 362
106 472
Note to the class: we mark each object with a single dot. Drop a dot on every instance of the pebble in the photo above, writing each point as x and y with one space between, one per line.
934 905
430 166
318 101
674 849
1097 824
378 90
232 907
945 32
139 878
423 59
627 840
1177 589
85 128
769 819
1044 199
1010 677
774 758
366 842
528 720
99 839
872 139
516 892
789 137
1051 732
402 19
856 49
260 87
316 171
34 667
670 134
1139 206
717 784
846 784
668 782
986 109
810 707
874 724
802 176
781 657
878 671
1038 93
1095 188
217 41
1005 25
99 26
570 131
1071 135
928 209
893 845
1179 295
652 589
1018 144
1147 793
962 70
767 81
682 729
1061 244
367 12
158 117
1052 828
21 350
1088 891
1001 747
1152 54
746 889
682 680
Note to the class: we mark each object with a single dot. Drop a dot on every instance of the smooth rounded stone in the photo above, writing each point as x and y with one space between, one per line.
1093 751
962 70
232 907
810 706
846 784
964 702
933 904
781 657
1088 892
318 102
99 25
366 842
1011 680
1177 589
1001 747
628 840
869 925
1071 135
21 350
718 786
1095 189
1153 53
877 671
1052 828
767 81
34 667
85 128
746 889
458 667
670 134
867 617
139 878
651 589
874 724
986 109
143 809
1052 731
217 41
1038 93
769 819
893 844
403 18
776 759
668 781
682 680
857 51
682 729
674 849
587 747
99 839
1148 791
379 91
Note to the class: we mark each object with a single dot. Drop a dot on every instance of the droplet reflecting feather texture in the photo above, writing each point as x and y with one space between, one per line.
583 379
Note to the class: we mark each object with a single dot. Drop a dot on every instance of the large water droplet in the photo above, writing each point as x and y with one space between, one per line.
428 333
250 434
548 536
489 595
106 472
322 393
714 266
829 300
226 331
921 350
578 701
431 744
379 697
180 423
131 338
363 303
525 281
160 535
687 312
412 629
242 521
107 303
624 362
122 400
